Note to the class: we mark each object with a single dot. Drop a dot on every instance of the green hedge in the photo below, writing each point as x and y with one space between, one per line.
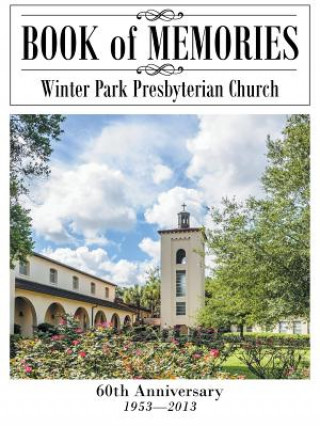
270 339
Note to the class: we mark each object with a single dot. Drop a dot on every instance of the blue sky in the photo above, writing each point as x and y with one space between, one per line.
117 179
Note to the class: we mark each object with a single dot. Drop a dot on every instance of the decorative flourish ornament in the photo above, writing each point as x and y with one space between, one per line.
165 15
165 69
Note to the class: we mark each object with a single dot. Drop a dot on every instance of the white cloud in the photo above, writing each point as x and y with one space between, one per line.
161 173
122 272
151 248
228 154
86 200
116 174
139 150
164 211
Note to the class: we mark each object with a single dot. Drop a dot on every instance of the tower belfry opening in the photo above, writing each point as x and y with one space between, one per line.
184 218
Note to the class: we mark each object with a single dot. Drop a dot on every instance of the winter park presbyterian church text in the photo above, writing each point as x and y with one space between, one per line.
43 290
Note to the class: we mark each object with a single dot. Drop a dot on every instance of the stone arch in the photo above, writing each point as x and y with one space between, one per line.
181 257
100 319
115 321
127 321
82 316
25 316
54 314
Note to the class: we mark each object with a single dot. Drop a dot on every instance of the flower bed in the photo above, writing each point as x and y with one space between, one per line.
145 353
105 354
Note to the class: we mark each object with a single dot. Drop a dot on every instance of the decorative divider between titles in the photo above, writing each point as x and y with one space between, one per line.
164 15
165 69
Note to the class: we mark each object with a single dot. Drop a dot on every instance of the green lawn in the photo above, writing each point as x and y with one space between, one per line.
235 367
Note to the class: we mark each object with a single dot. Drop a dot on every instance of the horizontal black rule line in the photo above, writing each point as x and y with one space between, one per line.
159 105
163 4
38 15
78 69
241 14
134 69
240 69
73 14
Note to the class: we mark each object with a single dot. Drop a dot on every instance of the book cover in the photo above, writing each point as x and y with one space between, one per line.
157 204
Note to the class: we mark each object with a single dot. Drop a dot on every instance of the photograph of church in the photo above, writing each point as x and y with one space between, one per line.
192 231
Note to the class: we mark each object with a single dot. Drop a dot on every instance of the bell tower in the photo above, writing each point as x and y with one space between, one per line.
182 273
183 218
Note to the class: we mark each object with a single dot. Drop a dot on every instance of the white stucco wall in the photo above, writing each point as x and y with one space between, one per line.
40 273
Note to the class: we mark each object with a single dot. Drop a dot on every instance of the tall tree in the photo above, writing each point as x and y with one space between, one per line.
284 217
134 295
120 292
234 292
147 295
151 292
262 246
31 136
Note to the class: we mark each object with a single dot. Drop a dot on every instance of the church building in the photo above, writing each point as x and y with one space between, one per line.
43 289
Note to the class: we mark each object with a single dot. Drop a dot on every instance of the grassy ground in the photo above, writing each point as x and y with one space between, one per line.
235 367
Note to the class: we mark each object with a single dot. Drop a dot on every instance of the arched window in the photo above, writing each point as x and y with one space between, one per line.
25 316
181 257
100 319
127 321
115 321
82 316
54 314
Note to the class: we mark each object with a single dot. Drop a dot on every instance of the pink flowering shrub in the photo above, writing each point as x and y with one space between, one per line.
104 354
143 353
275 362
